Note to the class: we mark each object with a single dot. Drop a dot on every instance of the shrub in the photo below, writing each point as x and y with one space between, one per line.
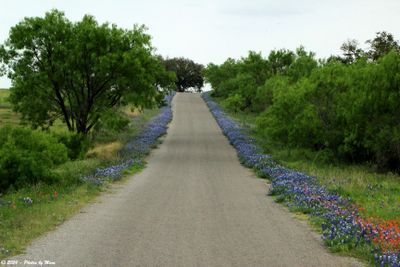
234 102
28 156
376 108
350 110
109 124
264 94
114 121
76 144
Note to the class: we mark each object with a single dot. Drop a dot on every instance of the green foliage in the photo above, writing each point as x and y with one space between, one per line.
290 119
374 104
351 52
234 102
280 60
349 110
111 123
346 108
188 73
77 144
250 76
264 94
378 193
4 94
220 77
381 45
242 77
302 65
27 157
77 71
114 121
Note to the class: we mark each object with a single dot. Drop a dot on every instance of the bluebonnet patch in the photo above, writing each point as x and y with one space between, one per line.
138 147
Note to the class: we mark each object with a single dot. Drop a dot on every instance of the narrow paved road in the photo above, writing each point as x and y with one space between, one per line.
194 205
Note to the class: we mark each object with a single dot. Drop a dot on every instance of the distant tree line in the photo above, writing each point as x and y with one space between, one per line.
346 107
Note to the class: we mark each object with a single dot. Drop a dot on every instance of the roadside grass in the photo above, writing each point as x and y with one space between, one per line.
377 194
105 151
107 136
7 116
21 222
52 205
4 93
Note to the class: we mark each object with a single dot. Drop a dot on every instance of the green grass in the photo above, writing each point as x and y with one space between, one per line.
7 116
4 93
378 194
20 223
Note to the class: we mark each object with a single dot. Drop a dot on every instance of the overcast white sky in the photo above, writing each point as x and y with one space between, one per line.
213 30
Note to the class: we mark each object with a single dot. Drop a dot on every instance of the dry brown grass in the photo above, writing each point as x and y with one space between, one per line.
131 111
105 151
7 116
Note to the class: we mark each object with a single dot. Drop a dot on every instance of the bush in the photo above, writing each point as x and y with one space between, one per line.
234 102
27 157
109 124
76 144
278 122
114 121
264 94
347 111
374 108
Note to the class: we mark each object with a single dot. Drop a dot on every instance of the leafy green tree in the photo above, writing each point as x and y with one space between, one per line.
280 60
265 93
302 66
256 66
291 120
220 77
382 44
188 73
77 71
372 112
346 107
233 102
351 51
239 77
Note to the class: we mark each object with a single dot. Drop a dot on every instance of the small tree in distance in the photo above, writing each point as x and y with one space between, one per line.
188 73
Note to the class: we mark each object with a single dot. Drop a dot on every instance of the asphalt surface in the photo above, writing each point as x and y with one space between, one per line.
193 205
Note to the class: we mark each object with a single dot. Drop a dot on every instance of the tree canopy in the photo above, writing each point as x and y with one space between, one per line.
346 107
382 44
188 73
77 71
